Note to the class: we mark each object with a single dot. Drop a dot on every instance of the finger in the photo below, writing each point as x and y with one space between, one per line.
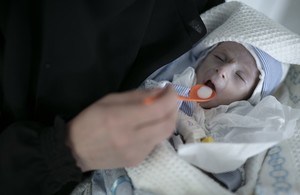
131 116
156 131
137 113
164 103
146 138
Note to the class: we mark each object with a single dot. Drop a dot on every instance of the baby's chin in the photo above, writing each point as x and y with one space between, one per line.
215 102
209 104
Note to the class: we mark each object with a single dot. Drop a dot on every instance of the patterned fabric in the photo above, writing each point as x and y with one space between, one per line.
186 107
280 172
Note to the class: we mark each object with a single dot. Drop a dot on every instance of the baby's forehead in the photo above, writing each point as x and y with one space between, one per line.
232 47
236 52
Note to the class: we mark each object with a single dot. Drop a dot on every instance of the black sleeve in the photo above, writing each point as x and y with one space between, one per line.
33 156
35 160
1 58
204 5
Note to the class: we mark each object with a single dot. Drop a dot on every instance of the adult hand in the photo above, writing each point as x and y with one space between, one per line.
119 130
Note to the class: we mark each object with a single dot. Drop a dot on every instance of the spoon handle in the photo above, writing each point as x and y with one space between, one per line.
184 98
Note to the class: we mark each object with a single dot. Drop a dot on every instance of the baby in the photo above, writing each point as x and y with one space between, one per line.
236 72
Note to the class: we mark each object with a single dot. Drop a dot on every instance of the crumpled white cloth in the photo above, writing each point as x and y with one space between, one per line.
240 131
280 171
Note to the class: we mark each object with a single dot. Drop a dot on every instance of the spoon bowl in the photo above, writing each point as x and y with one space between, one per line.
199 93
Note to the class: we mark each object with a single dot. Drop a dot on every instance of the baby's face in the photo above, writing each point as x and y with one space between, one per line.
231 71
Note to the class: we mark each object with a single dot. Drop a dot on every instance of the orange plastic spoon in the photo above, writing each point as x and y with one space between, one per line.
199 93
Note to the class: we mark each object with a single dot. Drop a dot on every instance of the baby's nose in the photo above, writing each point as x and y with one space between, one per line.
225 70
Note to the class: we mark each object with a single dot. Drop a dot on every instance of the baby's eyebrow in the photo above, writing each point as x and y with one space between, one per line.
223 54
227 52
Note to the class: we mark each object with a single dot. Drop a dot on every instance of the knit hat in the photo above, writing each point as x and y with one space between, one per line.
271 73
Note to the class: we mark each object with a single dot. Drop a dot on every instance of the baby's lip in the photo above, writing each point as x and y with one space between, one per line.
210 84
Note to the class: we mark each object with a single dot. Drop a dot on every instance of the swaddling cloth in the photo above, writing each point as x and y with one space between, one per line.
193 130
189 128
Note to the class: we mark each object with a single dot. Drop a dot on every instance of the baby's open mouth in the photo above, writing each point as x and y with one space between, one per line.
210 84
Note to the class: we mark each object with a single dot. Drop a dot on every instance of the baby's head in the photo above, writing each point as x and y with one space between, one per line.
238 72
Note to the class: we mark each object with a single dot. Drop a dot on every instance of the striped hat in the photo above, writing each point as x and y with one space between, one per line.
271 73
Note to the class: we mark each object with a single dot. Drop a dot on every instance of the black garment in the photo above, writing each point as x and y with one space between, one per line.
59 56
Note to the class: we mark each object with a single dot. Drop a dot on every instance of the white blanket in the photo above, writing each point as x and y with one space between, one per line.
280 172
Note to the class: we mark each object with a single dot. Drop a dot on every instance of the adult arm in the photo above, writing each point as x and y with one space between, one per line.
204 5
116 131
